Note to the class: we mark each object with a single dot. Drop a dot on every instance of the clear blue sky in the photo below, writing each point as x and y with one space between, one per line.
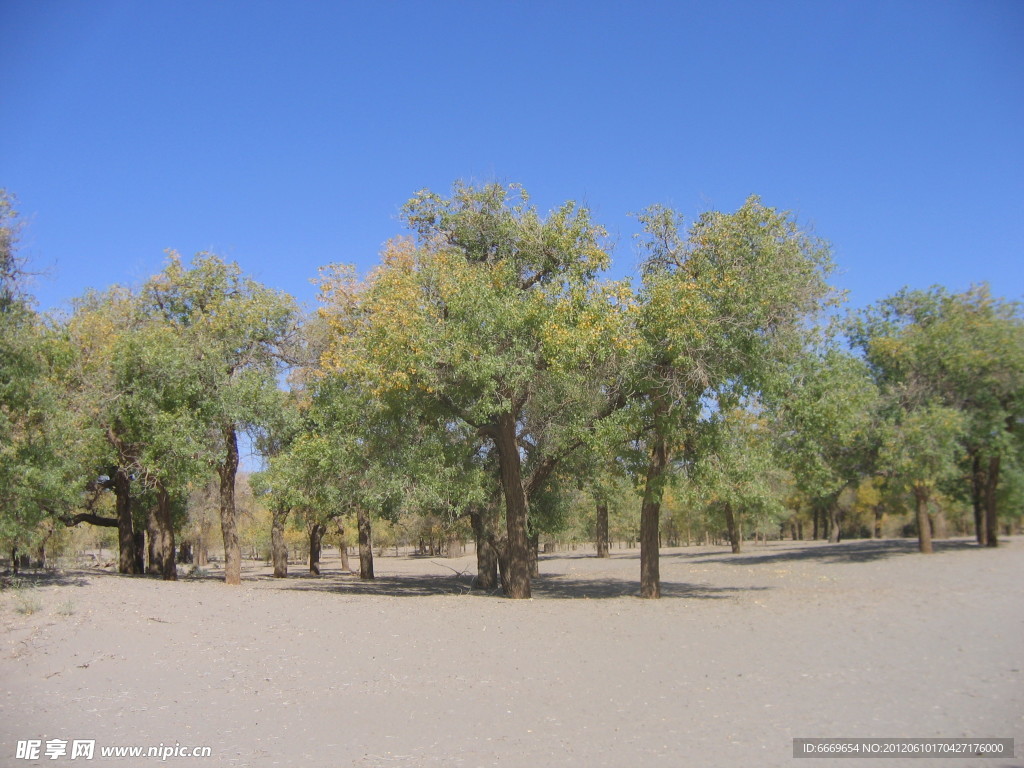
285 135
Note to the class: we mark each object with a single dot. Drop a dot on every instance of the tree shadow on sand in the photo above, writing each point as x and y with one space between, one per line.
34 577
545 587
856 551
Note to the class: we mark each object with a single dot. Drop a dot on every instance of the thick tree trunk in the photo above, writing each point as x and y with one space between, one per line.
365 544
814 530
501 547
165 549
732 525
278 546
991 512
879 511
516 508
14 561
227 470
602 530
127 556
316 537
486 554
650 512
152 542
924 526
978 499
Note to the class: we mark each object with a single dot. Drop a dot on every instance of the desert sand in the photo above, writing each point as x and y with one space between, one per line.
741 655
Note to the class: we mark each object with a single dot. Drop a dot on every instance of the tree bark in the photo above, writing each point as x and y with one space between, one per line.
978 499
732 524
227 471
342 549
316 537
486 554
879 511
650 511
534 540
365 544
165 536
278 546
152 542
814 529
835 529
991 512
602 529
924 526
516 508
127 561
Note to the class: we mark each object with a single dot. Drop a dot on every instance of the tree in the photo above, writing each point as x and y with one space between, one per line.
237 331
826 424
39 448
919 448
963 351
723 312
738 471
492 314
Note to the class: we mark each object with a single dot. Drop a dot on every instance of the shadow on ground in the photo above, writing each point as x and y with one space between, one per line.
858 551
43 578
546 586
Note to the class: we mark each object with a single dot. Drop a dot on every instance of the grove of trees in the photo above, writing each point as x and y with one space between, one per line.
486 380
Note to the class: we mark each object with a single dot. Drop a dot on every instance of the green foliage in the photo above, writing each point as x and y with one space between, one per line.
827 421
949 363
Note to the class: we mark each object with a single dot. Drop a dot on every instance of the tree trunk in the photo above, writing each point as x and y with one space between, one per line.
978 500
228 520
185 554
365 544
14 561
835 529
534 555
991 512
278 546
152 541
127 561
924 524
486 554
650 511
501 547
316 537
602 530
814 530
878 520
732 524
342 548
924 527
165 536
516 508
140 551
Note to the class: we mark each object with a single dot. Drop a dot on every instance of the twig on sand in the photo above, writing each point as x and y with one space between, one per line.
457 573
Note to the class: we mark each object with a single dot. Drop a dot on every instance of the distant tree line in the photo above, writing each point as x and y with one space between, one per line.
486 380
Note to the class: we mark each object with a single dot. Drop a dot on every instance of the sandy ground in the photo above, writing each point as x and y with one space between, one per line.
742 654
